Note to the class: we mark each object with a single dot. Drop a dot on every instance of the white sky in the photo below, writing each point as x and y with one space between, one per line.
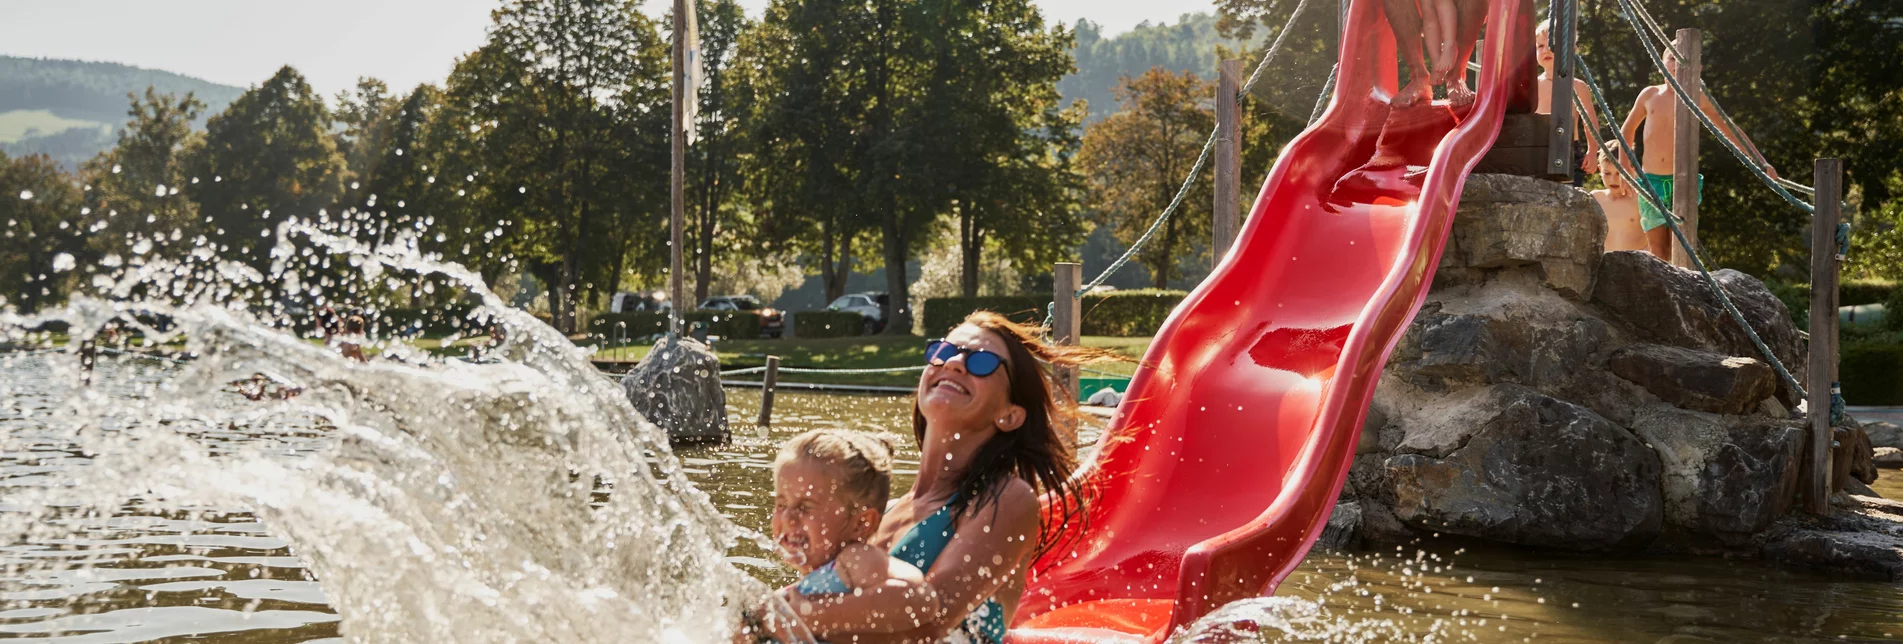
403 42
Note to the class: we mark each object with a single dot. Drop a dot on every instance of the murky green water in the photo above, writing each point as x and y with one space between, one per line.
219 575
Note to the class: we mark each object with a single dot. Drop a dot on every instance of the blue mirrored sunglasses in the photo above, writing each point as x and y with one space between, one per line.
978 362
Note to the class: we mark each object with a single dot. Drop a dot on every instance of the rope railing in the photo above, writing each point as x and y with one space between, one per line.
1632 12
753 370
1195 170
1644 190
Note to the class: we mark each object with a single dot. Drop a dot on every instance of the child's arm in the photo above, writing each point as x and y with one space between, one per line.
1738 137
894 592
1635 118
1592 121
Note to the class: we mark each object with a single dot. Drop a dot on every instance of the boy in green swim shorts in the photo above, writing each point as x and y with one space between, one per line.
1657 109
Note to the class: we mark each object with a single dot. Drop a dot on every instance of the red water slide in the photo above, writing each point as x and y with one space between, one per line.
1227 454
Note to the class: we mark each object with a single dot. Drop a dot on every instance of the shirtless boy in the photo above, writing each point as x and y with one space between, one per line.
1657 109
1620 204
1586 130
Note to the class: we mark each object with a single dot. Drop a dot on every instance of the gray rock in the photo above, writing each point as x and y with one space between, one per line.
678 388
1674 306
1539 472
1509 221
1342 525
1379 527
1854 457
1696 380
1725 478
1884 434
1863 537
1888 458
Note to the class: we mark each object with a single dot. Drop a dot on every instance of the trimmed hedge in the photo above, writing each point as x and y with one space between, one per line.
726 324
827 324
1872 373
1116 313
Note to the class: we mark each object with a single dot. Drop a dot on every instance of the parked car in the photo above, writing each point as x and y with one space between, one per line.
772 321
625 302
869 306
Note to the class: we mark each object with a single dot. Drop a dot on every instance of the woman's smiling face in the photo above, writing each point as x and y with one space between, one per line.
950 395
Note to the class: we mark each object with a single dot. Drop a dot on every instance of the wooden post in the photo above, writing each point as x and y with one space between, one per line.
766 391
1823 331
1685 150
1228 159
676 289
1562 40
1067 329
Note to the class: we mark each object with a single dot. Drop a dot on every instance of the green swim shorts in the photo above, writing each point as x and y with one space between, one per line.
1661 184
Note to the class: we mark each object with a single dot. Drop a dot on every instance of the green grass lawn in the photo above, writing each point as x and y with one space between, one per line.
872 352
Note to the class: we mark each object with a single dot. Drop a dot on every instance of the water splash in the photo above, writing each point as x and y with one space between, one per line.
519 500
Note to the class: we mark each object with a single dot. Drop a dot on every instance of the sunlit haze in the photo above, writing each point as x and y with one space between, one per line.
403 42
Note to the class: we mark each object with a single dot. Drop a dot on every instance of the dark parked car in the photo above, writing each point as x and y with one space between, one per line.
772 321
869 306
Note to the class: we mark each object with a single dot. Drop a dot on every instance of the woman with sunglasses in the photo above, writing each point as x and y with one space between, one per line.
987 418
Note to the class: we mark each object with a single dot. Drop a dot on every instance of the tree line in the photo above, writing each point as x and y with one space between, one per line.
839 137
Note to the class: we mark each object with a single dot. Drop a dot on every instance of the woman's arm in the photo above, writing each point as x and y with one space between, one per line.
990 548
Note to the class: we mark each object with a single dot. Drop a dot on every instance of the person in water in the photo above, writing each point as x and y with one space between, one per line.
988 427
829 491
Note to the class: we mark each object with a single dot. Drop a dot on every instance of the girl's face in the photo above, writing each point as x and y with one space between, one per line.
950 396
812 518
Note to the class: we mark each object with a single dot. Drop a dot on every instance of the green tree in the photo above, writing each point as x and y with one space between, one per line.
366 116
713 174
44 239
136 185
564 112
267 158
804 110
992 138
1137 157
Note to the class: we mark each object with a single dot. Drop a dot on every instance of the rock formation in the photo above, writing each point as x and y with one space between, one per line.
678 388
1552 395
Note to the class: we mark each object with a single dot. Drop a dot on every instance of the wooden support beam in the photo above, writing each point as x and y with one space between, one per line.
1685 149
1559 143
1823 332
766 392
1228 151
1067 314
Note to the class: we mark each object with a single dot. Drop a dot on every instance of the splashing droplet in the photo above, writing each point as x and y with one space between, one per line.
26 194
63 262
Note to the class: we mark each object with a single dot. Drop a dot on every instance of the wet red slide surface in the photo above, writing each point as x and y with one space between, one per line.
1234 439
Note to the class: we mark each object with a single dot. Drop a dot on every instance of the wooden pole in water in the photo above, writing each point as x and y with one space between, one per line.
1228 158
1823 331
1685 150
676 293
766 391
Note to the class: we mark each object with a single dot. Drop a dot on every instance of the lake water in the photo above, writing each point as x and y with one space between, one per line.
217 574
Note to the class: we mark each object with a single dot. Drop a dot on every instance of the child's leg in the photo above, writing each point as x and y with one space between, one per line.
1434 33
1446 56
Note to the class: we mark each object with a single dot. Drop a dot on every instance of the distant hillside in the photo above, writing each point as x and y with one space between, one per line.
70 109
1189 45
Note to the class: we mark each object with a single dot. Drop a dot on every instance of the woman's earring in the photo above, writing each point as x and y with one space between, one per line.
1002 421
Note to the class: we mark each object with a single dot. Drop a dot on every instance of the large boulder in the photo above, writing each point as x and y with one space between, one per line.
1884 434
1723 479
678 388
1862 537
1694 379
1509 221
1536 471
1674 306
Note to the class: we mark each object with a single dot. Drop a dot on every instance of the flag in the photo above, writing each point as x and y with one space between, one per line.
690 67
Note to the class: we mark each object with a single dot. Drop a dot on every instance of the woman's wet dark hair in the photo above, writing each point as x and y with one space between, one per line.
1036 451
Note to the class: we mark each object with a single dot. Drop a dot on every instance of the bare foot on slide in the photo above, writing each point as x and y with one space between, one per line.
1458 95
1415 91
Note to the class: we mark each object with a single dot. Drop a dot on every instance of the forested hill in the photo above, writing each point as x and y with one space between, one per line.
69 109
1188 45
